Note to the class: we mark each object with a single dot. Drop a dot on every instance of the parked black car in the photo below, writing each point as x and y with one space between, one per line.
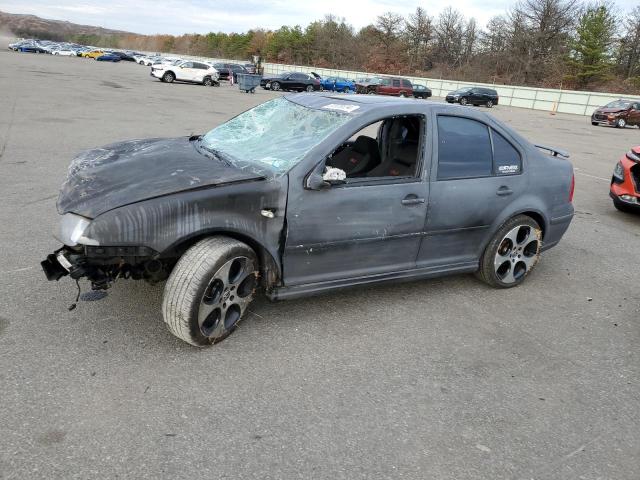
420 91
474 96
124 56
227 69
279 199
292 81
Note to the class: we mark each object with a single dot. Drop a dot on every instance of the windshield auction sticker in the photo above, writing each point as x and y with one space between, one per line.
341 107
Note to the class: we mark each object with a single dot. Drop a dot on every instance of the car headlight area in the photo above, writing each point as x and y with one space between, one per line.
71 231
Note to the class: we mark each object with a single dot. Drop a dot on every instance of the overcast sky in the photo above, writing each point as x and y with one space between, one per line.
202 16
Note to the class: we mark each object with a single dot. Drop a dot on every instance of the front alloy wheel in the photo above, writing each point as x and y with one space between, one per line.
463 101
621 123
209 290
275 86
168 77
512 253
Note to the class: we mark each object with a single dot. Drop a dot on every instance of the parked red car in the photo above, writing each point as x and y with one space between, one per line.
625 182
396 86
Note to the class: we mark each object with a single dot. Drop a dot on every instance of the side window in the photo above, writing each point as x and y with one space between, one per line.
187 65
506 158
464 148
406 83
386 148
385 82
396 82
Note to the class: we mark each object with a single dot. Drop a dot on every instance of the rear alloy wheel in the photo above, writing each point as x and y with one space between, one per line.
207 82
512 253
489 104
309 88
275 86
621 123
463 101
168 77
209 290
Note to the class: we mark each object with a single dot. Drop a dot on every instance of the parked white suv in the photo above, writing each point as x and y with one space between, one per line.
189 71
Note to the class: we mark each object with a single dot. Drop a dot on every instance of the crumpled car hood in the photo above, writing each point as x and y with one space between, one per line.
610 110
128 172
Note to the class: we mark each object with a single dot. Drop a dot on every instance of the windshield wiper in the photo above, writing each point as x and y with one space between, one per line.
217 154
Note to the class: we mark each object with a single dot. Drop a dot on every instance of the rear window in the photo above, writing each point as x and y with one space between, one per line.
406 83
506 158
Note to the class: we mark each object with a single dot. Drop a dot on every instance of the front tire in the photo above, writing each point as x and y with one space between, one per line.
275 86
621 123
168 77
463 101
209 290
207 82
512 253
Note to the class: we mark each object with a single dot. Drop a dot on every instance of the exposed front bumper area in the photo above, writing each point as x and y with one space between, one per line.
104 265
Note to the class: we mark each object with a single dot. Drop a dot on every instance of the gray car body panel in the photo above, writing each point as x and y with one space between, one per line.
354 233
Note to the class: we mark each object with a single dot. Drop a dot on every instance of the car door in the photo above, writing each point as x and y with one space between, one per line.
368 226
385 88
634 114
184 71
476 173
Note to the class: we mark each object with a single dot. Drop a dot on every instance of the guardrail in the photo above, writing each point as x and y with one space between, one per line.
549 99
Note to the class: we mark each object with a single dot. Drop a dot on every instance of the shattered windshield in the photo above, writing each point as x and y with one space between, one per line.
618 104
276 134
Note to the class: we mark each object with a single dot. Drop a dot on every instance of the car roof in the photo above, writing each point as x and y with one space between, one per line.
364 102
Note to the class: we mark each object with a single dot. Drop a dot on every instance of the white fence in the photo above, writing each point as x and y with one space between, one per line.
564 101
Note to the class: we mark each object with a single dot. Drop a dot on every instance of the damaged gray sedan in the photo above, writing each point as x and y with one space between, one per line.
309 193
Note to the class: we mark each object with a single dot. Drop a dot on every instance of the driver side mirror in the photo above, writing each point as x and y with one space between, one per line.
331 176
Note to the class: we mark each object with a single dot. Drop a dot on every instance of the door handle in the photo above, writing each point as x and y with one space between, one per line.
412 200
503 191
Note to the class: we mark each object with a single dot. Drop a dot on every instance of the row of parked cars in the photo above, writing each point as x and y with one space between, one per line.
377 85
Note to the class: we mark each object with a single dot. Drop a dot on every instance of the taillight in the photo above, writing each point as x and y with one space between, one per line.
573 187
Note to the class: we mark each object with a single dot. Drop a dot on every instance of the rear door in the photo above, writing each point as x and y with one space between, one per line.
395 86
475 175
634 114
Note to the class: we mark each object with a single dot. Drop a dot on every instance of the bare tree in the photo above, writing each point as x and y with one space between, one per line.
449 31
629 51
389 27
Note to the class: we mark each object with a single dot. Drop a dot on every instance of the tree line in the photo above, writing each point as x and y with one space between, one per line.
545 43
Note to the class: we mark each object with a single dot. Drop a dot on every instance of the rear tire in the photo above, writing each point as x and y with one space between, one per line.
309 88
512 253
209 290
489 104
168 77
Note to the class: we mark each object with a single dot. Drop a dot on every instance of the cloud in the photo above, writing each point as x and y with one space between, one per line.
202 16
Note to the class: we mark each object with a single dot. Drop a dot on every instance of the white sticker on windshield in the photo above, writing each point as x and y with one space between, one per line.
341 107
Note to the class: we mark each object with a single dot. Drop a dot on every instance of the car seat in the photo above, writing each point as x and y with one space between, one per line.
359 157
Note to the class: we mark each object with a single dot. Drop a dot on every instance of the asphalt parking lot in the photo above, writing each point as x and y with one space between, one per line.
440 379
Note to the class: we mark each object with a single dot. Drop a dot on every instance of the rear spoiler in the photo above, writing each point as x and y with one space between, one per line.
554 151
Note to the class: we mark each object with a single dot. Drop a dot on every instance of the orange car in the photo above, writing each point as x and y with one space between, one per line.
625 182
